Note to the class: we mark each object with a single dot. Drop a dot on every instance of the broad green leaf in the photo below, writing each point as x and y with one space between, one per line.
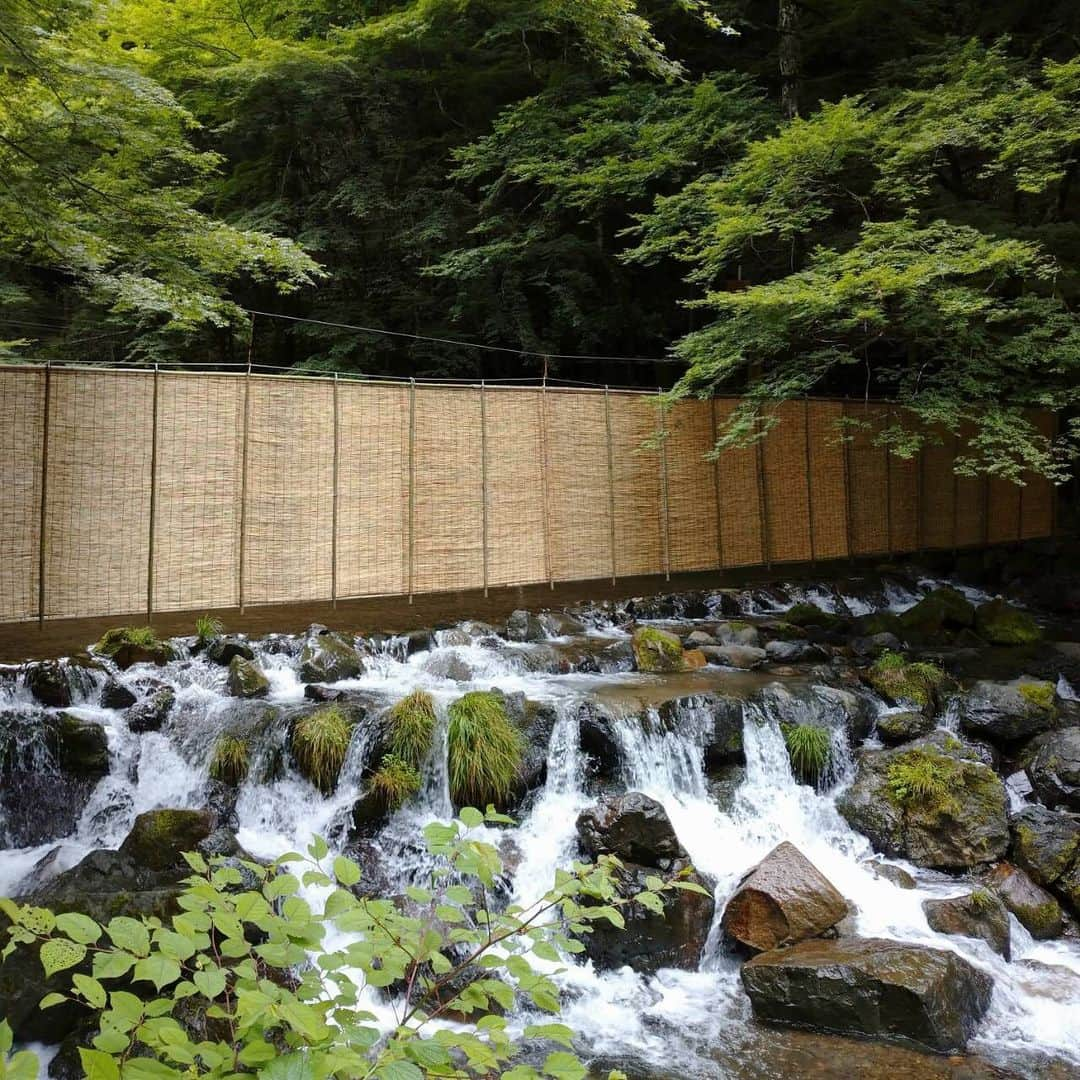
58 954
78 927
210 983
98 1065
559 1033
651 901
399 1070
21 1066
564 1066
346 871
318 849
129 934
471 817
158 969
90 989
295 1066
112 964
49 1000
147 1069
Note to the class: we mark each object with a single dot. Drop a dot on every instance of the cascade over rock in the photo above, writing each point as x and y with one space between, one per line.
977 914
784 899
632 827
328 657
872 987
1036 909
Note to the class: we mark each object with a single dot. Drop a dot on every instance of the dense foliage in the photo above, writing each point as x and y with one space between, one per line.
854 197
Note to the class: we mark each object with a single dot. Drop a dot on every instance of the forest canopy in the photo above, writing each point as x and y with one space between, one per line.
843 197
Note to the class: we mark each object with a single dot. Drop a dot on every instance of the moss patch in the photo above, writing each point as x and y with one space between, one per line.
656 650
128 645
394 782
410 724
320 742
1039 694
484 750
1002 624
231 761
811 615
924 779
893 677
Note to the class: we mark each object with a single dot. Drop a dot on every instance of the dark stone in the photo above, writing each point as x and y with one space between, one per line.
1000 623
151 714
793 652
115 695
741 657
48 682
615 658
222 650
524 626
598 742
560 623
978 914
781 900
875 644
632 827
900 727
1046 843
1037 910
895 874
159 838
125 652
315 692
940 610
1008 711
327 657
82 746
1055 769
871 987
651 940
245 680
719 718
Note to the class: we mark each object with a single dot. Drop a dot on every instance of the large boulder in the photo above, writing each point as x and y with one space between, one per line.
740 657
782 900
1046 843
524 626
1037 910
655 650
328 657
900 726
1005 712
632 827
871 987
151 713
978 914
158 838
934 805
115 695
246 680
129 645
736 633
561 623
599 742
223 650
719 719
1002 624
48 682
938 611
1054 771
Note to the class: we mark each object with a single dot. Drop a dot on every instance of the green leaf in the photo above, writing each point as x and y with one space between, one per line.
426 1052
318 848
148 1069
346 871
90 989
559 1033
49 1000
78 927
98 1065
58 954
564 1066
111 1041
470 817
210 983
158 969
112 964
282 885
195 861
21 1066
651 901
546 951
296 1066
399 1070
690 886
129 934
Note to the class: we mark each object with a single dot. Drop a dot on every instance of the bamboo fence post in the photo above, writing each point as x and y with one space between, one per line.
483 485
545 482
888 489
153 500
334 498
955 494
664 509
243 488
43 506
610 479
986 510
809 480
763 499
412 484
717 490
847 487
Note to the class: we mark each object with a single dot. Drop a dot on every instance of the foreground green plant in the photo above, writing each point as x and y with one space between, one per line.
395 781
484 749
251 954
923 778
411 723
809 750
231 761
320 742
896 678
208 629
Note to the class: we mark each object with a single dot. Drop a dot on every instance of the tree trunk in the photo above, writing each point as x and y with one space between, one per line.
790 50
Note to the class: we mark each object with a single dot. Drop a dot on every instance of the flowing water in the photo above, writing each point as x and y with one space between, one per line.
690 1024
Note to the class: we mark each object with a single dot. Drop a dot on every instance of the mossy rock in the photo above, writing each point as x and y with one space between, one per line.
328 657
900 727
231 761
319 741
879 622
82 747
804 614
128 645
943 609
246 680
1037 910
159 838
48 682
899 680
999 623
656 651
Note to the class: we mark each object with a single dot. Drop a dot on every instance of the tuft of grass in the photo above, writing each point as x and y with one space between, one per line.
231 760
809 750
208 629
411 722
484 750
1040 694
893 676
921 778
395 781
112 640
982 900
320 741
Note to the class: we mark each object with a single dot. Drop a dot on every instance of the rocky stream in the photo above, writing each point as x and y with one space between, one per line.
877 779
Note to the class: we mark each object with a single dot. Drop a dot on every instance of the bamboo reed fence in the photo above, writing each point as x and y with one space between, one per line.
129 491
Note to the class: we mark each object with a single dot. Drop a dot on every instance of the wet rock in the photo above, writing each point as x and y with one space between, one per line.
718 719
224 650
1046 844
1005 712
656 651
784 899
897 875
448 665
741 657
653 940
615 658
524 626
115 695
1002 624
315 692
632 827
245 680
693 659
933 807
875 623
810 615
901 727
598 742
151 714
560 624
1037 910
327 657
48 682
82 746
778 630
1054 771
127 646
940 610
979 914
793 652
687 605
736 633
696 638
871 987
723 784
159 838
416 641
875 644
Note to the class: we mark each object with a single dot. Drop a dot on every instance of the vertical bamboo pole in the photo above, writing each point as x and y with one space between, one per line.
243 488
919 542
717 491
986 509
483 484
412 483
545 480
809 480
610 479
664 509
334 498
43 507
153 501
955 493
888 491
763 499
847 488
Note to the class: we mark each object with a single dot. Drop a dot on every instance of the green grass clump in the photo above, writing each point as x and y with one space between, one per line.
231 760
894 677
395 781
208 629
921 778
411 723
1040 694
320 741
484 750
982 900
113 640
809 750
